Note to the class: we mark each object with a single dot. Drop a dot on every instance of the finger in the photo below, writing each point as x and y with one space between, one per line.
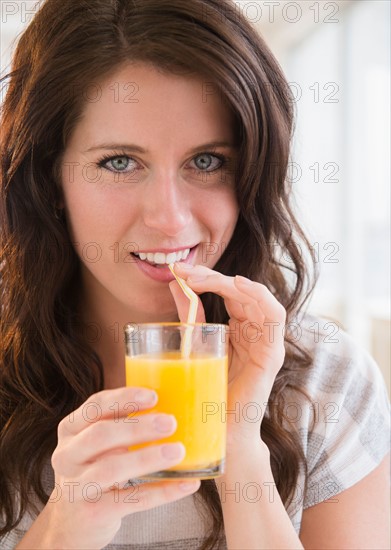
271 307
185 270
111 469
182 303
109 435
225 287
265 310
137 497
107 404
266 338
241 290
199 277
150 495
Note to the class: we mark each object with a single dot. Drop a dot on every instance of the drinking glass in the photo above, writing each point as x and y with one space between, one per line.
187 365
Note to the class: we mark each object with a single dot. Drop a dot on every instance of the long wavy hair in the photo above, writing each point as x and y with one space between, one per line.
47 367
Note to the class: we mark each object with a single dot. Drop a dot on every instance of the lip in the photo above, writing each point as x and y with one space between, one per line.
161 274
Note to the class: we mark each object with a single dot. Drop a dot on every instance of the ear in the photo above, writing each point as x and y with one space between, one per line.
182 304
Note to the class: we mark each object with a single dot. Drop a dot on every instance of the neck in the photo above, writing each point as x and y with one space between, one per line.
105 319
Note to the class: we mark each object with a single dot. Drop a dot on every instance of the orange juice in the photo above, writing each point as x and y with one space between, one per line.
193 390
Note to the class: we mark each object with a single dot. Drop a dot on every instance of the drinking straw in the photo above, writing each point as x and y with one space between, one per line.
192 314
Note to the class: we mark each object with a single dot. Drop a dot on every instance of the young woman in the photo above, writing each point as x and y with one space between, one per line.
134 133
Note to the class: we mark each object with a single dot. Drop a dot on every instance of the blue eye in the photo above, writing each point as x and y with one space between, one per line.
208 162
118 163
122 163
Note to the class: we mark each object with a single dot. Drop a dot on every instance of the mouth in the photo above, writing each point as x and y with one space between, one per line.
162 259
155 264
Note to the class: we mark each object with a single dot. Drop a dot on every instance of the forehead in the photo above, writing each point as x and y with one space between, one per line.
138 98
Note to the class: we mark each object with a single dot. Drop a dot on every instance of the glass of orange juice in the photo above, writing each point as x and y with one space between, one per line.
187 365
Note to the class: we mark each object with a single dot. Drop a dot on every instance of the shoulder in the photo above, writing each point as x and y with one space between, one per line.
344 426
339 363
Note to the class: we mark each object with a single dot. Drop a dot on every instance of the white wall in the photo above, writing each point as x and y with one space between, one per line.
339 65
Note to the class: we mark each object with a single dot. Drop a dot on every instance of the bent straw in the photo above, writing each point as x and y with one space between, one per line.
191 316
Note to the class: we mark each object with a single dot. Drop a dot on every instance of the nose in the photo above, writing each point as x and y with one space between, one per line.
166 205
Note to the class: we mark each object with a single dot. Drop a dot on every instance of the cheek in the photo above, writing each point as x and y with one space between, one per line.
222 215
227 214
82 216
94 214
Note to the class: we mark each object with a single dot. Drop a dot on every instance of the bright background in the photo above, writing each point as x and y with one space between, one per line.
336 56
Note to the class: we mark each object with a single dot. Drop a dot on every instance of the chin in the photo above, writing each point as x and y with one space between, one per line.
152 308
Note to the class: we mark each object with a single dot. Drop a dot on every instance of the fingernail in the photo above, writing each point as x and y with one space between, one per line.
189 486
243 280
196 279
164 423
172 450
146 396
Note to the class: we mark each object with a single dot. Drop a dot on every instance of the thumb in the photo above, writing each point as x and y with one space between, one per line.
182 304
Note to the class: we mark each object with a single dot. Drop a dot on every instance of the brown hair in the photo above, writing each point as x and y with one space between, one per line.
47 367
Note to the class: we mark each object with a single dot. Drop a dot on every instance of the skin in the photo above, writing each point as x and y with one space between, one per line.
109 211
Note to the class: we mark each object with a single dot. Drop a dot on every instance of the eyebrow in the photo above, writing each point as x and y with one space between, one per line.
136 148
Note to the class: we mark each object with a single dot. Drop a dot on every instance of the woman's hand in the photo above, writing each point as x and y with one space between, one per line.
257 349
257 353
92 464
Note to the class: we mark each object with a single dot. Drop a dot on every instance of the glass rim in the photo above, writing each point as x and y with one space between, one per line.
131 327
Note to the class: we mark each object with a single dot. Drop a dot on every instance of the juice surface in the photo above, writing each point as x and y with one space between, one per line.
193 390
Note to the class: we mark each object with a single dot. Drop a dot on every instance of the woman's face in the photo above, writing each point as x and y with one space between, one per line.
148 179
